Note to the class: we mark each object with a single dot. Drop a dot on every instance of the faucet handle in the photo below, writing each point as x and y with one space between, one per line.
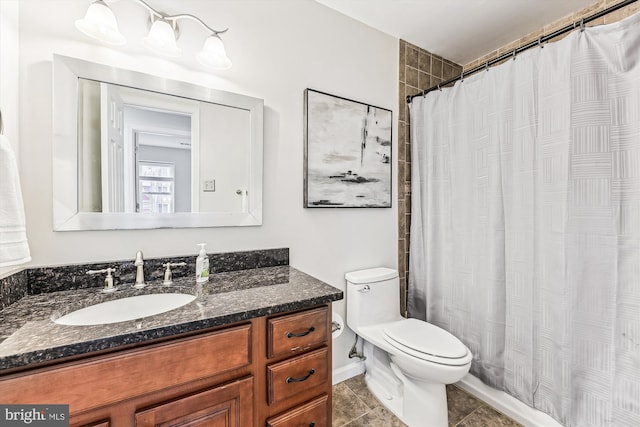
139 263
108 281
168 275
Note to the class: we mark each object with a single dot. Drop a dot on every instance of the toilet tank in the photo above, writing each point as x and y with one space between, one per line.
373 296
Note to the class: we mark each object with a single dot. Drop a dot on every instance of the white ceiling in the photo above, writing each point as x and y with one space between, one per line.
459 30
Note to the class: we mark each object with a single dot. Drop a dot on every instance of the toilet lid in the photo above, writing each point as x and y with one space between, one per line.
425 338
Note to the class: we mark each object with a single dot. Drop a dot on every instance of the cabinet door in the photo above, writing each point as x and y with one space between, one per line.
311 414
103 423
228 405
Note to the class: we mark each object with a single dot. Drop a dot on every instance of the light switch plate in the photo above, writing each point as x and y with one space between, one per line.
209 185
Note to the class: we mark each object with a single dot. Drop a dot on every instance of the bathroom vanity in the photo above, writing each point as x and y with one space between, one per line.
254 348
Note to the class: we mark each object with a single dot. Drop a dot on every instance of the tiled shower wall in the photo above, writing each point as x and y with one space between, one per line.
420 70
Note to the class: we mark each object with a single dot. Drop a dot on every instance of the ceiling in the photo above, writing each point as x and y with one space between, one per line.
458 30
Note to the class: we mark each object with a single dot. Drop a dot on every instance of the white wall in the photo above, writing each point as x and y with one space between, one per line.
279 48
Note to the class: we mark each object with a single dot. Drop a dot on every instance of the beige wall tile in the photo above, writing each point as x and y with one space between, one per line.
424 61
435 80
402 102
436 66
424 80
411 77
412 56
401 149
622 13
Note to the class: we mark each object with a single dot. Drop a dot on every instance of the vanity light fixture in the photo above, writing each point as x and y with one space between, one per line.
100 23
162 39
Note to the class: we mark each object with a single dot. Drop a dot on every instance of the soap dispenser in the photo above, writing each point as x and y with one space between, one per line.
202 264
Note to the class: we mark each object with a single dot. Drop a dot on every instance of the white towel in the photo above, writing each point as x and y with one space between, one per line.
14 248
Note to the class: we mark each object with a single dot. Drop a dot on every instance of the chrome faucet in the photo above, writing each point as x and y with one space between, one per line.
108 281
139 263
168 275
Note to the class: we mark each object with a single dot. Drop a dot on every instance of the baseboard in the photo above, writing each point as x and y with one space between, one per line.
348 371
506 404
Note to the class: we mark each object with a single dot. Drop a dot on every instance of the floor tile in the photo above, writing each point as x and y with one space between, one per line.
354 406
460 404
359 387
486 416
377 417
346 406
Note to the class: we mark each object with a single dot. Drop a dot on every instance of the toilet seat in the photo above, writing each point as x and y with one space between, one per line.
427 342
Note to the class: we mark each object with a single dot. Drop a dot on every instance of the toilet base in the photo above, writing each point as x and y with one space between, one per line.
414 402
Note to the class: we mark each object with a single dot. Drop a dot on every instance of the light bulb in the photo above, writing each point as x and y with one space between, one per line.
100 23
162 39
213 54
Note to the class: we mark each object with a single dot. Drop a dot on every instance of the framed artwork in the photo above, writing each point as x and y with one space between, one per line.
347 153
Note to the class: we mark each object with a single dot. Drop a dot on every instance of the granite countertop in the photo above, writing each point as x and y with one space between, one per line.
29 336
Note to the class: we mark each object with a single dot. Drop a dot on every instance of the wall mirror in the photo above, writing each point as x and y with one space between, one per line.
135 151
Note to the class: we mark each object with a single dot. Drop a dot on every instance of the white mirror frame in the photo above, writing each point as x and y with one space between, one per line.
66 215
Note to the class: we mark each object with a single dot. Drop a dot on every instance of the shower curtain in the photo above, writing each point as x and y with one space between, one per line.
525 223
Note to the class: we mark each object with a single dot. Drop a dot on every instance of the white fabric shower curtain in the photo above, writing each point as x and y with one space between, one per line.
525 223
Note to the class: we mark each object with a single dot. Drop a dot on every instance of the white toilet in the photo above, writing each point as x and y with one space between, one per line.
408 361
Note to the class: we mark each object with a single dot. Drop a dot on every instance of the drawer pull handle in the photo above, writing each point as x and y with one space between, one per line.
301 334
299 380
312 424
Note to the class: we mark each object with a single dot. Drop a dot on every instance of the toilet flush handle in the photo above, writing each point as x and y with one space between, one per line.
365 288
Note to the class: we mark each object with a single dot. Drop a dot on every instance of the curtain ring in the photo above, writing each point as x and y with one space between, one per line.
582 25
514 54
540 42
462 76
486 66
439 87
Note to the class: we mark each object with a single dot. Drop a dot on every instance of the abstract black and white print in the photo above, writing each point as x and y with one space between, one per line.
347 153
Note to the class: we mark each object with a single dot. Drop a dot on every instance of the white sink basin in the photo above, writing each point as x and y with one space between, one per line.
123 309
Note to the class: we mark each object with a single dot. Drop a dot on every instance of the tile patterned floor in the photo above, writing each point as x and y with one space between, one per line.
355 406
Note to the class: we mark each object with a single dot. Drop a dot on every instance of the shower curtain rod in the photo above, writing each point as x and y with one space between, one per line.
534 43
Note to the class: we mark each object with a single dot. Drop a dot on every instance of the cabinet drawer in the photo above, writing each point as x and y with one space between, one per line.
293 376
297 332
312 414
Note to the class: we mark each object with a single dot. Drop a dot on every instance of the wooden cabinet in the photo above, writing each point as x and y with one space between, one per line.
292 376
297 332
299 369
102 423
312 414
97 381
228 405
270 371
